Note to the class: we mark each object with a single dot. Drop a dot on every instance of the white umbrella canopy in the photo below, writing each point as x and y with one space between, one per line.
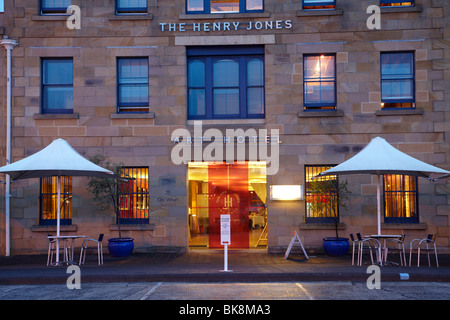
379 158
57 159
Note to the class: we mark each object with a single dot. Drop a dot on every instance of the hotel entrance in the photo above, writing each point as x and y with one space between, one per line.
238 189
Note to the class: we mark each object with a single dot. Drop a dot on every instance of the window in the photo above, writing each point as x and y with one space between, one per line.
131 6
57 86
397 80
396 3
225 83
54 6
319 82
49 200
132 84
133 196
321 196
319 4
224 6
400 199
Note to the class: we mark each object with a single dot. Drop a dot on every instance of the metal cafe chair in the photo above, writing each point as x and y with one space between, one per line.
99 249
371 244
400 247
52 247
356 244
430 245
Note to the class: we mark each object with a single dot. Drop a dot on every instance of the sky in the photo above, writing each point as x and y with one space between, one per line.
1 5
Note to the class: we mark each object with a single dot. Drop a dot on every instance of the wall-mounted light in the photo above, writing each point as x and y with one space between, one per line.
286 192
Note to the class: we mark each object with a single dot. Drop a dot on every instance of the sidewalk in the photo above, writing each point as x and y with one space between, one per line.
206 266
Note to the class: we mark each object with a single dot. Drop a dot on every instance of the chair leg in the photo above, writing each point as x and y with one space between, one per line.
435 254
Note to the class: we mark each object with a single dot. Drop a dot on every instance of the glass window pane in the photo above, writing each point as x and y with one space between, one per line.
255 72
197 102
226 102
254 5
196 73
327 66
226 73
133 71
397 64
133 94
55 4
397 89
122 4
255 103
195 5
56 98
224 6
58 72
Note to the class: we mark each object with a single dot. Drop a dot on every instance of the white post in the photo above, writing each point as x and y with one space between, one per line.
225 258
9 46
379 203
58 219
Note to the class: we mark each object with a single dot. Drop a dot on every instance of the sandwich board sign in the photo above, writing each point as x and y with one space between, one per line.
295 239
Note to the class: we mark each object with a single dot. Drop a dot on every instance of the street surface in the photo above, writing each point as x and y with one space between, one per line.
230 291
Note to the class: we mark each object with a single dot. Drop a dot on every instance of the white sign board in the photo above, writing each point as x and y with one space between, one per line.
225 229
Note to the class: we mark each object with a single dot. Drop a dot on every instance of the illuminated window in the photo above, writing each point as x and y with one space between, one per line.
131 6
319 82
54 6
319 4
397 80
224 6
321 196
396 3
133 196
49 201
400 199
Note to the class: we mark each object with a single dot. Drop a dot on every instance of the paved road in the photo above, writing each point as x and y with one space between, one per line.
230 291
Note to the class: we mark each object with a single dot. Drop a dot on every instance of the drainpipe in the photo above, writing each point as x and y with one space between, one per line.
9 45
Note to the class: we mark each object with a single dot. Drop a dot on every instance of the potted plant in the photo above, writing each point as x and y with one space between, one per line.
328 196
105 193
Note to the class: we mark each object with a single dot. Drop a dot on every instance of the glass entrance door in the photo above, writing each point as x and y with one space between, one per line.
238 189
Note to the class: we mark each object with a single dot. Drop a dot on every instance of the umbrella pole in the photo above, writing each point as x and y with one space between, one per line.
58 219
379 203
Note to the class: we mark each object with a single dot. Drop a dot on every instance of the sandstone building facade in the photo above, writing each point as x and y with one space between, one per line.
312 81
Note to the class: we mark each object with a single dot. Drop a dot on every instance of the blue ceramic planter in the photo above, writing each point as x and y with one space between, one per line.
120 247
336 247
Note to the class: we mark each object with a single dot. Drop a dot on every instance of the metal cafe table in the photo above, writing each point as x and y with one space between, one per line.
68 256
382 250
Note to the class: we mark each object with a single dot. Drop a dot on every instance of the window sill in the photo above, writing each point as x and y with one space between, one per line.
123 17
399 112
132 227
51 17
320 114
149 115
401 9
224 16
39 228
52 116
228 122
324 12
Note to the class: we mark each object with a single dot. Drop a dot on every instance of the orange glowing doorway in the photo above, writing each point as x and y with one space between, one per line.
238 189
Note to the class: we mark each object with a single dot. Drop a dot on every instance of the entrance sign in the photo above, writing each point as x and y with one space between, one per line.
295 239
225 229
225 238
